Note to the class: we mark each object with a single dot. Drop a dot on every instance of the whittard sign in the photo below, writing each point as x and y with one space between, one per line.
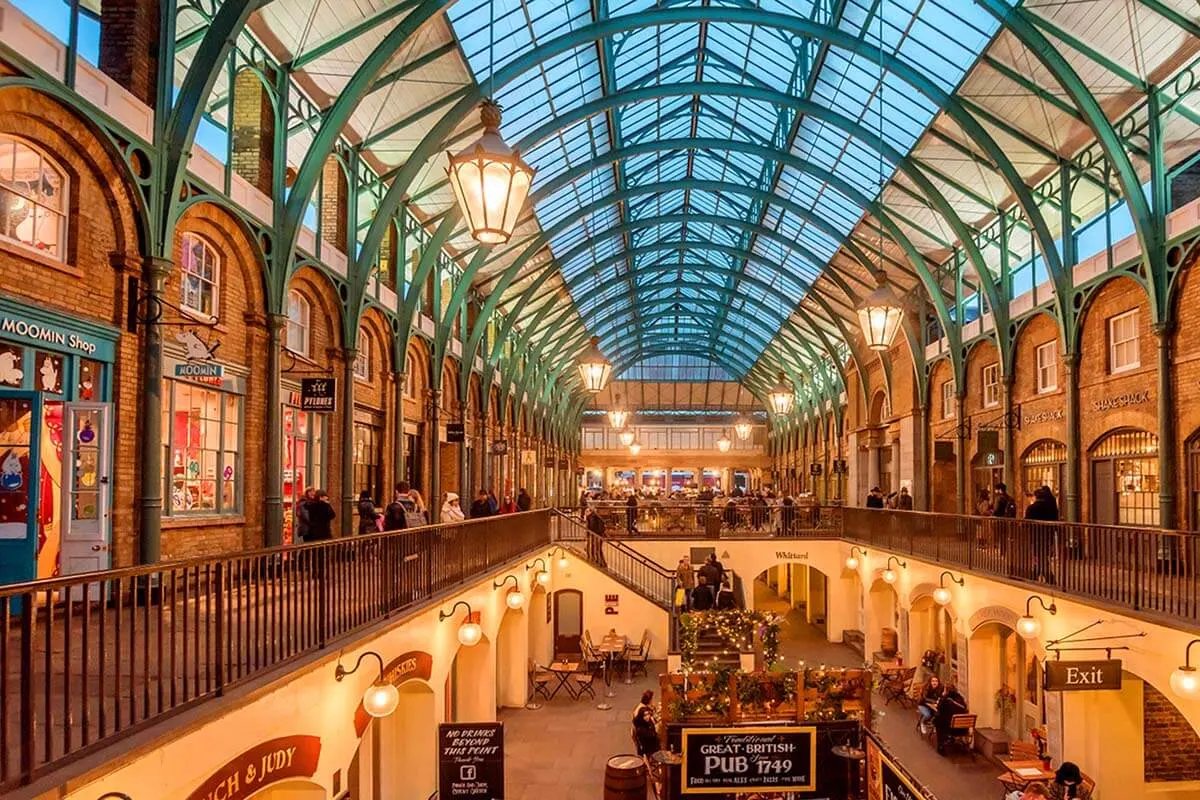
721 760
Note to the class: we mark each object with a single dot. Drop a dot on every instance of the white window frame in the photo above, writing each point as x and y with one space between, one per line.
299 324
214 285
362 357
991 385
230 442
64 182
1046 359
1113 343
948 399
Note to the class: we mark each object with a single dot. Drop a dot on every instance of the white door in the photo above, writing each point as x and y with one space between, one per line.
87 466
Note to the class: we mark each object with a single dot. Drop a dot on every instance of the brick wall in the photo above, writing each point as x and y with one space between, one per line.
333 204
253 130
1169 742
129 46
943 477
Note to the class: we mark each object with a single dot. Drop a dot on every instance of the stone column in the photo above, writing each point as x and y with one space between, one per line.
1009 432
155 272
433 500
349 490
872 461
273 529
398 450
960 450
921 493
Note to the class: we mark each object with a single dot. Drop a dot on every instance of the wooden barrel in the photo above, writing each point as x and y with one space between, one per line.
625 778
889 643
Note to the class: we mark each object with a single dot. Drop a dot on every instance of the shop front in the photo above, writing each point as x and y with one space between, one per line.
1124 468
56 444
304 458
368 453
1044 464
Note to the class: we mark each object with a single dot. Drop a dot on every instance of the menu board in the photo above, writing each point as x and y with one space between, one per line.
885 780
721 760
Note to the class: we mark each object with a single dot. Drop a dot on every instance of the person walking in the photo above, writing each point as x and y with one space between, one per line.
524 501
401 512
597 529
1043 509
301 520
1003 505
712 571
451 510
481 508
493 503
368 515
320 518
631 514
685 578
787 516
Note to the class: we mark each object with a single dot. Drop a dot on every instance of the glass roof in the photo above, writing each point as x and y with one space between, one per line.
721 210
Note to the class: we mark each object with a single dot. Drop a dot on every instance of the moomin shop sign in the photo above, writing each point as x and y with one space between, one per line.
261 766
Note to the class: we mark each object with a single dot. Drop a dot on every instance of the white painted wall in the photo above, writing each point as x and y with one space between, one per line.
634 614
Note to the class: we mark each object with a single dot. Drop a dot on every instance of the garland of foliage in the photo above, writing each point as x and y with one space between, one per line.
738 627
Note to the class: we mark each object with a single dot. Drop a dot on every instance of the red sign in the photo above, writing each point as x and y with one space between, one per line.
270 762
410 666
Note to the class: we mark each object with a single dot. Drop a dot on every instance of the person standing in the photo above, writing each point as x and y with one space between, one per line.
712 571
301 523
1042 509
320 518
596 530
508 506
396 516
875 498
703 598
983 504
368 516
524 501
905 501
685 578
631 512
787 515
1003 504
451 510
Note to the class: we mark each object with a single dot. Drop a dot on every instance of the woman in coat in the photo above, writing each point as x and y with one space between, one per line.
451 509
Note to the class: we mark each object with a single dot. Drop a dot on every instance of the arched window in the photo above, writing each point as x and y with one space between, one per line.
33 198
200 269
1125 478
362 358
298 329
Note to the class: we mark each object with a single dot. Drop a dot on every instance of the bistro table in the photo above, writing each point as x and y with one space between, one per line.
563 670
610 646
1022 773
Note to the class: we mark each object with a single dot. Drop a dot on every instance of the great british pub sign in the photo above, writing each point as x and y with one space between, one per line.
1082 676
724 760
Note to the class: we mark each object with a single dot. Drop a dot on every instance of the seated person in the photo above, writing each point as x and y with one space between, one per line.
702 595
725 599
1034 791
1068 783
927 702
952 703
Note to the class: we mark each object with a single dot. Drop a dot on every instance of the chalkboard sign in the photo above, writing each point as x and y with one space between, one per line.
885 780
471 761
720 760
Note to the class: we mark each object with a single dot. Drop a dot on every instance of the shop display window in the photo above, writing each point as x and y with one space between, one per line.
202 438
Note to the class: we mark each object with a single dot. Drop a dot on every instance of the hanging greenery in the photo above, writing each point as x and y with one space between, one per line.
738 628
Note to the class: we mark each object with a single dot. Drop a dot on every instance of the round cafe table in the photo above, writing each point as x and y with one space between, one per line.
609 646
852 755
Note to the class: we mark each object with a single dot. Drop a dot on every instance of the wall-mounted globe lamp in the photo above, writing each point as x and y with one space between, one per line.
1185 681
491 181
381 698
542 576
1029 626
563 562
469 632
852 561
594 368
890 575
942 595
514 599
783 397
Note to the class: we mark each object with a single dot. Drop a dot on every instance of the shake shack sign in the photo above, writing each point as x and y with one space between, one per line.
1082 676
722 760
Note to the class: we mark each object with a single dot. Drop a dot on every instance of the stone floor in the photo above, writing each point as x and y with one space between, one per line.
559 751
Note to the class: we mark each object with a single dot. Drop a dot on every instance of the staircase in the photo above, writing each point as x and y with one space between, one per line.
621 562
714 649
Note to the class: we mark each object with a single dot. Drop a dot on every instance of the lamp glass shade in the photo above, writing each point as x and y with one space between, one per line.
491 181
469 634
626 438
617 417
1185 682
594 368
742 428
852 562
562 562
782 397
724 443
941 596
1029 627
543 577
880 315
634 449
381 699
889 576
514 599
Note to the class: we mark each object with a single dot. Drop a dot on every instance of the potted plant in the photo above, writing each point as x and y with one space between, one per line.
1006 703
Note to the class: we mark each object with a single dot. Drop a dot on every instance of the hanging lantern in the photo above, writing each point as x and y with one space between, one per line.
880 314
626 438
594 368
634 448
723 444
617 415
742 428
782 397
490 180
